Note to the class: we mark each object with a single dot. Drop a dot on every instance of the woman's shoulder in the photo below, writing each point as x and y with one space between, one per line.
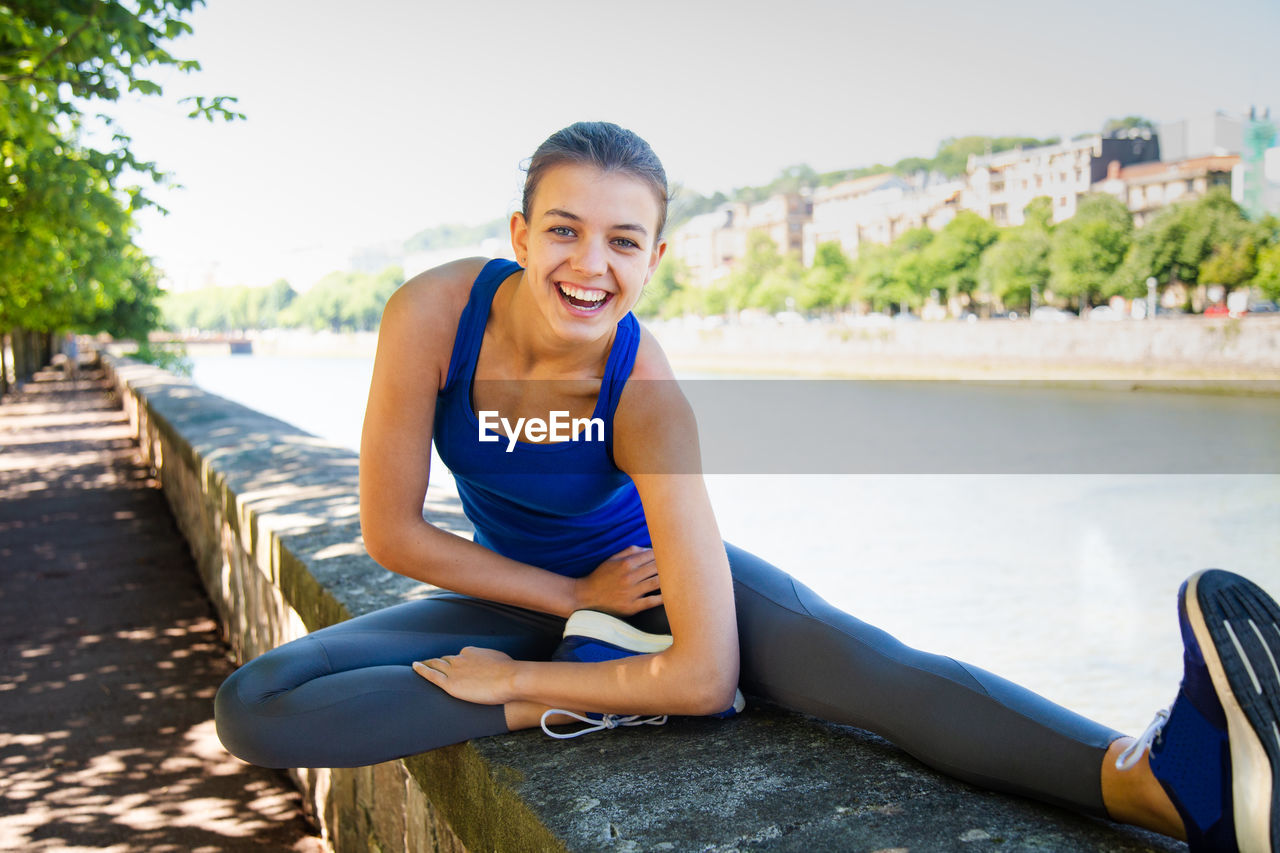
420 320
651 362
654 428
440 293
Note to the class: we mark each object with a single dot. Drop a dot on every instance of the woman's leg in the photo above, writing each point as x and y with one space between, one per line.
798 650
346 695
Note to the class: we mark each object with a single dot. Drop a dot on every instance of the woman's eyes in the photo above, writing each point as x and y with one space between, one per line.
566 231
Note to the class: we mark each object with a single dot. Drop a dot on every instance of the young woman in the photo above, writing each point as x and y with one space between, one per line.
582 518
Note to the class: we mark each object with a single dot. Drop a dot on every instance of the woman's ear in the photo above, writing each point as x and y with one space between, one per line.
520 238
656 258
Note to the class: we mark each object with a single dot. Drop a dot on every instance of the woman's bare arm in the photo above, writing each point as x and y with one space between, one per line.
654 434
415 342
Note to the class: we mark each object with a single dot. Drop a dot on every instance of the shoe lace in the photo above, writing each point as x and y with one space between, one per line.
1133 754
599 723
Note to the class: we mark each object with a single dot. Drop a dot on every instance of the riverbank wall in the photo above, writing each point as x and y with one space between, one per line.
1167 348
271 515
1189 347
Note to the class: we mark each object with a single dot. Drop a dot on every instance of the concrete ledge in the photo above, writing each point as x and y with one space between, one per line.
271 515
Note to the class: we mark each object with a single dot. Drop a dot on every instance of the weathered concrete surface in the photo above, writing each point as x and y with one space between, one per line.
271 514
774 780
111 651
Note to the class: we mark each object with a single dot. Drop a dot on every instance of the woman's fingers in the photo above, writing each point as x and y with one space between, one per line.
645 602
429 672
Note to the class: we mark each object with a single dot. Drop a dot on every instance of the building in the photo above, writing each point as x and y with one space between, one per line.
1147 187
709 244
1002 185
878 209
1201 137
1256 183
783 218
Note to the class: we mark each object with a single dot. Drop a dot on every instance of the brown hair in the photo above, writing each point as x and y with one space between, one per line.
606 146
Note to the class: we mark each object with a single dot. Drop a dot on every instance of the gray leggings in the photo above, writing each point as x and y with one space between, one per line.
345 696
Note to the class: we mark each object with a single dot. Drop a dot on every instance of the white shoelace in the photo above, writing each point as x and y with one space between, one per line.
1133 754
606 721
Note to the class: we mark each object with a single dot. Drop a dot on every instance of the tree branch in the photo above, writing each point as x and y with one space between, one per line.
67 40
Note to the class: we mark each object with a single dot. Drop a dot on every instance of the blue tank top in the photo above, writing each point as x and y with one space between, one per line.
561 506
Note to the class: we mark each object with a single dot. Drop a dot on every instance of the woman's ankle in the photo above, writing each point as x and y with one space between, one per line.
1134 796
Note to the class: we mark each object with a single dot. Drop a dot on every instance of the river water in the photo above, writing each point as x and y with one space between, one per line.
1063 582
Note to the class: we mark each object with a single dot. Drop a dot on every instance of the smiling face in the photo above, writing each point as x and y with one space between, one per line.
589 246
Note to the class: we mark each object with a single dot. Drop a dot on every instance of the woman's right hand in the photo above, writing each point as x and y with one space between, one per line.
622 585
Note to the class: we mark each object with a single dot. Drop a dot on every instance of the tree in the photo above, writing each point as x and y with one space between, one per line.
1174 245
829 282
663 295
66 207
1087 249
761 257
1116 125
890 276
951 261
1268 278
1231 264
779 285
1016 268
953 153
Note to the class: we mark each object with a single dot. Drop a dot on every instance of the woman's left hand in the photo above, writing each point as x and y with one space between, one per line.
477 675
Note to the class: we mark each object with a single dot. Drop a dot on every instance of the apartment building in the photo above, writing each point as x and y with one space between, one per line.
1001 185
1147 187
878 209
710 243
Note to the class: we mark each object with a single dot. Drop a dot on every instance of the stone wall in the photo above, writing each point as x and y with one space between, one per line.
271 515
1175 348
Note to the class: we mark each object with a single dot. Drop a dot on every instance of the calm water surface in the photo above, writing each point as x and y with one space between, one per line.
1064 583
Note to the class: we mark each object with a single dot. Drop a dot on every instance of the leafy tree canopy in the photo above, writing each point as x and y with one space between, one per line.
67 207
1116 125
1088 248
1181 238
456 236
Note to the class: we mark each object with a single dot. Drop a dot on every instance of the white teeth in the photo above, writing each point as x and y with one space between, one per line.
584 295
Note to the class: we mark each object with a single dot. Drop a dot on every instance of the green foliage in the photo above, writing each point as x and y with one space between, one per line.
1017 266
456 236
227 309
1231 264
1180 239
953 154
1267 279
344 301
950 262
779 285
67 208
664 295
748 274
829 283
1127 123
172 358
1088 249
686 204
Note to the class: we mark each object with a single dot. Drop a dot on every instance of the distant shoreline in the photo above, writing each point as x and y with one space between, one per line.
1224 357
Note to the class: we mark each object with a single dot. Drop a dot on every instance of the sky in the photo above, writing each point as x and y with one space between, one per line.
369 122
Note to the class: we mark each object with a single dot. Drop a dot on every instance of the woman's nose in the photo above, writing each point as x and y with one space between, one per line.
590 258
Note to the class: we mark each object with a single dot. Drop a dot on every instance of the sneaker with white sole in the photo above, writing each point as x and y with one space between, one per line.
592 636
1216 750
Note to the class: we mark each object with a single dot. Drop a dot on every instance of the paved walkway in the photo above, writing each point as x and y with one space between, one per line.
111 654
